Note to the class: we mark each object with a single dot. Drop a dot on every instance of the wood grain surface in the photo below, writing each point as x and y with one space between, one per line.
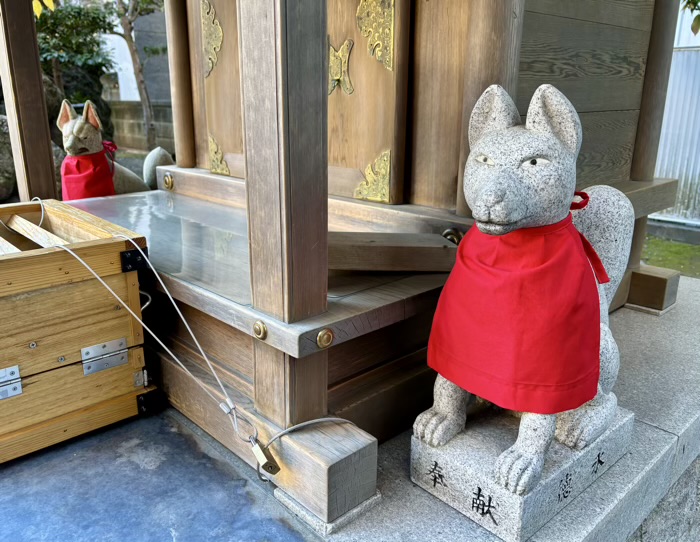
362 251
48 319
60 428
25 104
625 13
606 151
180 81
597 66
328 468
54 393
372 119
494 37
199 107
286 154
222 87
438 68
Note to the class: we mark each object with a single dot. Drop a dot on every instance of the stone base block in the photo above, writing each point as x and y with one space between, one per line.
461 473
649 310
321 527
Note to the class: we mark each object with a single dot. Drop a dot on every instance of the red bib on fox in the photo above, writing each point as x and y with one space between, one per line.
518 322
87 176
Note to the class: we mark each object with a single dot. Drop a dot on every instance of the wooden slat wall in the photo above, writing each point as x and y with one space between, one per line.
459 49
594 51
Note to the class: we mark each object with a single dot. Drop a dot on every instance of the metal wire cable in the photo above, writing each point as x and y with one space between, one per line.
229 407
229 401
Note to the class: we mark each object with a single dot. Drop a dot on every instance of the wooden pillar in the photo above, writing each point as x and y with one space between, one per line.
285 85
492 57
646 144
283 62
23 91
288 390
180 81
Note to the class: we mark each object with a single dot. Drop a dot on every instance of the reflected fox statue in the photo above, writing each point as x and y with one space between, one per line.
523 319
89 169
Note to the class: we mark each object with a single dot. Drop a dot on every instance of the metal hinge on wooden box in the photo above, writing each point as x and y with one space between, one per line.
71 357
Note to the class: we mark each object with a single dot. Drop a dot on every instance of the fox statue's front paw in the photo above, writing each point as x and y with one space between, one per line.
437 428
519 470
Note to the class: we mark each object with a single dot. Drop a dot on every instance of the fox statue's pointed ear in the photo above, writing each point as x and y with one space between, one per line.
550 112
90 115
494 110
66 114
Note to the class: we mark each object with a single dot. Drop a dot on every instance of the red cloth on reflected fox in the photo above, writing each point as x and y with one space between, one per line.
87 176
518 322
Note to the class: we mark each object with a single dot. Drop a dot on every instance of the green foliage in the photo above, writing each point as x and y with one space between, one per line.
693 6
135 8
155 51
71 35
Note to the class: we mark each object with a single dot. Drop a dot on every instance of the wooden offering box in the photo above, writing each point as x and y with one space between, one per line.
72 357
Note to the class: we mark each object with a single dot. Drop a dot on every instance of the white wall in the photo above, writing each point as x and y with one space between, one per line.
116 46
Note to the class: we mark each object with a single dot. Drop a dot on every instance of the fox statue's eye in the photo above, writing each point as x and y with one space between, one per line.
484 159
539 161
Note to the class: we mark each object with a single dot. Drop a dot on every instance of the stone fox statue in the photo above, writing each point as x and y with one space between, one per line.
523 319
87 171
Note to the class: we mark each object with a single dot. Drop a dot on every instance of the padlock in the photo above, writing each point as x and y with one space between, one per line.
265 459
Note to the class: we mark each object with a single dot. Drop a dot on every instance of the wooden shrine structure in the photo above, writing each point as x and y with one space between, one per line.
319 149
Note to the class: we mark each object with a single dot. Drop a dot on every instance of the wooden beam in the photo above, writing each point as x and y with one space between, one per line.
283 56
651 113
180 82
649 196
288 390
376 400
202 184
493 56
654 287
40 236
6 247
23 90
64 427
362 251
329 468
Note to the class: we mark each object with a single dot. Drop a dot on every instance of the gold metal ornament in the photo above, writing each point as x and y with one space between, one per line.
217 164
375 18
325 338
260 330
375 187
168 182
212 36
338 67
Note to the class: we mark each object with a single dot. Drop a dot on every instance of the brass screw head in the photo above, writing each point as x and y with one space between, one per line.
325 338
260 330
168 181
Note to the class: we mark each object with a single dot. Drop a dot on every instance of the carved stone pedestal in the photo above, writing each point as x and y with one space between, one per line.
461 473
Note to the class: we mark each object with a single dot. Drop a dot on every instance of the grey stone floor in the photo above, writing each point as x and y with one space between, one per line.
150 480
163 479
